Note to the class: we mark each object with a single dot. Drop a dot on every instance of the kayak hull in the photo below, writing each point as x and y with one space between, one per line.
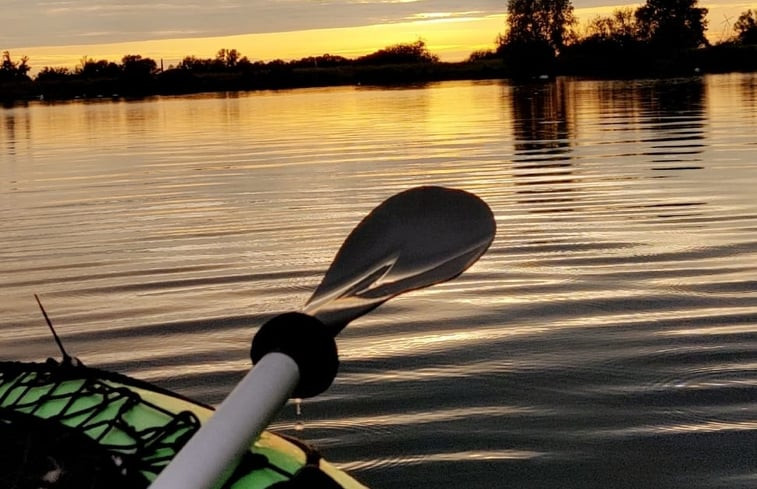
137 428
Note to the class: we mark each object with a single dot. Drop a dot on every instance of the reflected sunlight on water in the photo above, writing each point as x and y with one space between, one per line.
607 339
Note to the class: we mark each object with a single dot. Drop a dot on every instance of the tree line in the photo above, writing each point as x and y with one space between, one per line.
136 67
228 70
542 37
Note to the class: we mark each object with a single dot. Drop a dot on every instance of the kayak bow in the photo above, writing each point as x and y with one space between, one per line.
74 426
70 426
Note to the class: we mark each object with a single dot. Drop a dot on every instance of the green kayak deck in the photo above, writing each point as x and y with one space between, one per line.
132 427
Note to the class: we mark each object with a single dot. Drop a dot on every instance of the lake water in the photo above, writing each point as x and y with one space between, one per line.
608 339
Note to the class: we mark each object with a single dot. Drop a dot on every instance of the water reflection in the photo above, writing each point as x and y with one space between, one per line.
541 130
609 347
662 129
543 135
9 126
749 93
16 129
678 118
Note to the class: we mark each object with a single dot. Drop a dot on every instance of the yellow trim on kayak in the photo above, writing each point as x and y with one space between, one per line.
77 402
280 452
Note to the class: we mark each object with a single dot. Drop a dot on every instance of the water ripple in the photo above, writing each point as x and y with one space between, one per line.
607 339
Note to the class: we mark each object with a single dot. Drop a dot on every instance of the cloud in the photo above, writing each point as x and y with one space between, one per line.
35 23
445 15
28 23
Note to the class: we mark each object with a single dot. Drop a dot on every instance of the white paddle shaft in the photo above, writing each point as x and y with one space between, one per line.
210 456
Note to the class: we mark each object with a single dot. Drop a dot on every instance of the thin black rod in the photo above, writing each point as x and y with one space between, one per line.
66 356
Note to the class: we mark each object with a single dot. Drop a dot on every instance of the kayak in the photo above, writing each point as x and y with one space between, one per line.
67 425
64 425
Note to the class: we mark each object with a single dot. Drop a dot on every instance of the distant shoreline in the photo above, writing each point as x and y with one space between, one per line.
714 59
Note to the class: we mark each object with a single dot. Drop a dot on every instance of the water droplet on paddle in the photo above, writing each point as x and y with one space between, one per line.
298 425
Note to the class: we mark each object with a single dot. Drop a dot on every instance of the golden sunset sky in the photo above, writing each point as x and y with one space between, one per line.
62 32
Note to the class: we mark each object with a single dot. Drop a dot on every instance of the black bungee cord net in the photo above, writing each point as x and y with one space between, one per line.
66 426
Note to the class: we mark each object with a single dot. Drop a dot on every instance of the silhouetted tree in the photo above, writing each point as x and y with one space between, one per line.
195 64
277 63
226 60
746 27
619 27
137 74
135 66
53 73
672 24
323 61
415 52
611 47
540 21
537 30
228 57
481 54
231 59
528 58
90 68
11 70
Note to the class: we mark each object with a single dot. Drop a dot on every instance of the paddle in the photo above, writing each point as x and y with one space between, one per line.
415 239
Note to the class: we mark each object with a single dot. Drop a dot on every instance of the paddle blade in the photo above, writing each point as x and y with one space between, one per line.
416 238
